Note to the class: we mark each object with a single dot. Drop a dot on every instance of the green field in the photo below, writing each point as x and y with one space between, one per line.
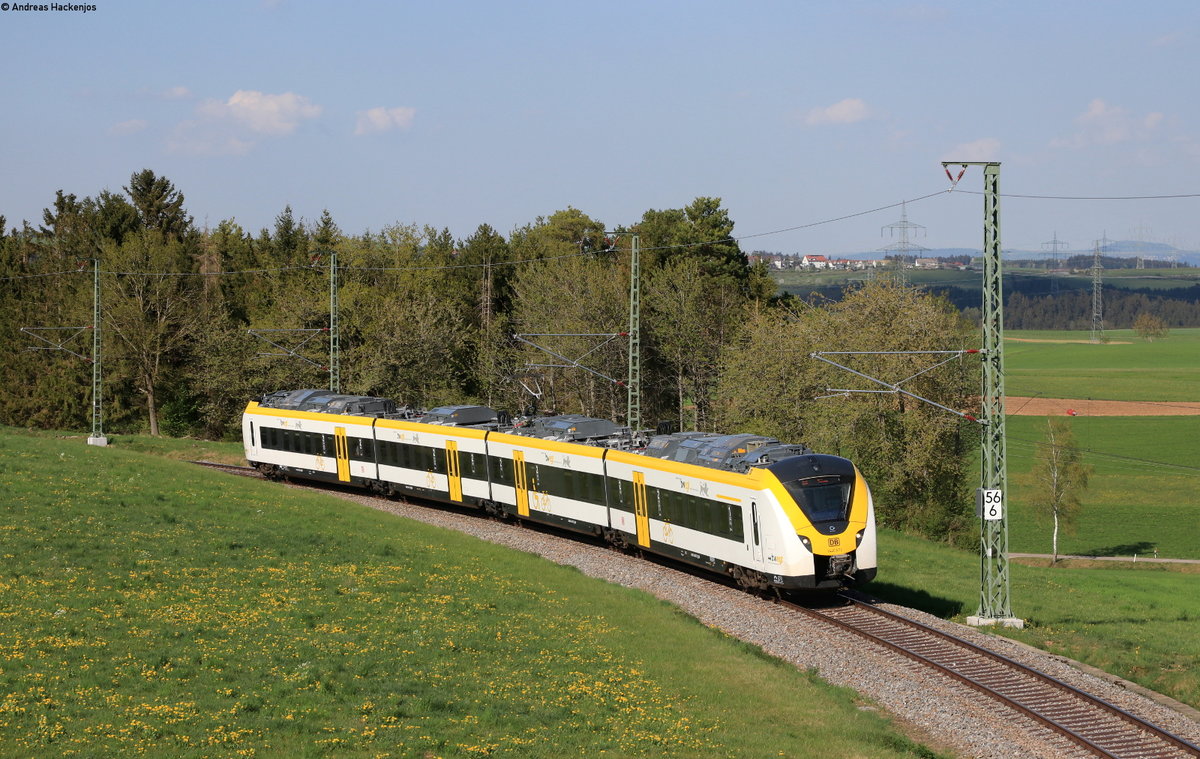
1146 469
1142 492
800 282
153 608
1125 369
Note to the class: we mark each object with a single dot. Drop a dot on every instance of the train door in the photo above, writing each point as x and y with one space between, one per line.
640 510
755 533
341 449
453 473
522 483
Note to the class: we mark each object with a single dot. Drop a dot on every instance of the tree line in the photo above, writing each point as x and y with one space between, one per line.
428 319
1121 309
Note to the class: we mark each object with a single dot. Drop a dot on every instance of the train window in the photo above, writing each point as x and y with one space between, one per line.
501 470
678 505
597 489
823 499
620 495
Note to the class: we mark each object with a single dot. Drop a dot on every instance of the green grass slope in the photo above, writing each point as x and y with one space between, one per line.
153 608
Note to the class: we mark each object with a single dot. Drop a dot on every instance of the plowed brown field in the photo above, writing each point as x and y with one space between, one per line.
1021 406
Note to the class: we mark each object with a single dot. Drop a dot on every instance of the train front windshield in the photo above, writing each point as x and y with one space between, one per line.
823 499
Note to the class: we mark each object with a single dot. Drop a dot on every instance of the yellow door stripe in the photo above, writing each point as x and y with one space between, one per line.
641 512
522 484
452 471
342 450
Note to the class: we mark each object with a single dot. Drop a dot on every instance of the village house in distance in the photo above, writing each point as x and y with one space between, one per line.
815 262
812 261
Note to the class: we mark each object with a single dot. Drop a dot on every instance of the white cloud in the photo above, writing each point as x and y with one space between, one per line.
848 111
235 126
985 149
263 113
126 128
384 120
1106 124
175 93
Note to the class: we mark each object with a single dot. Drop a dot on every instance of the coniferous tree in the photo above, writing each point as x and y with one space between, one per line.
159 205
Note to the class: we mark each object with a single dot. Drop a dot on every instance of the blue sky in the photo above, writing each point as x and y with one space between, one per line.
454 114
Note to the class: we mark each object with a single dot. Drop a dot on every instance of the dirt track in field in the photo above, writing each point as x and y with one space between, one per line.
1021 406
1084 342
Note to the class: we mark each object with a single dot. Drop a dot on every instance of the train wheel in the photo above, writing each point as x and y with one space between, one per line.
749 579
615 538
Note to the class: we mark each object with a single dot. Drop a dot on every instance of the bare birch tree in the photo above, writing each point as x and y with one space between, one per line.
1059 477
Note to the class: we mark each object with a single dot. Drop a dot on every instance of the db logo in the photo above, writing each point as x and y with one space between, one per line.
835 542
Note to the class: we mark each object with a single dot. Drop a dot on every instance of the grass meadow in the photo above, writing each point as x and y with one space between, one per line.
148 607
1145 469
1141 496
1127 368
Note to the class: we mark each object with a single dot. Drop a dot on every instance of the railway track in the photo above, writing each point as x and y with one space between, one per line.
1097 726
243 471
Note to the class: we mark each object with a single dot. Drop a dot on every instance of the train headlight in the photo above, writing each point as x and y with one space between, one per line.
858 538
807 543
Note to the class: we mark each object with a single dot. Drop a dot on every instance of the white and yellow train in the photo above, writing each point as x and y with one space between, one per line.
768 514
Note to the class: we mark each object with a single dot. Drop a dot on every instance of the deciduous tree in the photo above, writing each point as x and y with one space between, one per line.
1059 477
913 454
1150 327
